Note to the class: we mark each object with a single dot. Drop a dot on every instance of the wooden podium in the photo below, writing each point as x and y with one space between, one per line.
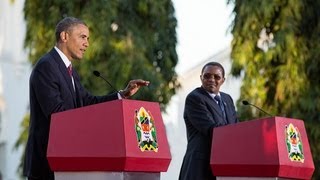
120 139
268 148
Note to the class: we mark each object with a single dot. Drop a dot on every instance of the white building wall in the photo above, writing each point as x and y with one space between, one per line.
14 75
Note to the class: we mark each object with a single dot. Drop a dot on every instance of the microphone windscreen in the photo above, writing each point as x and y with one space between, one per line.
96 73
245 102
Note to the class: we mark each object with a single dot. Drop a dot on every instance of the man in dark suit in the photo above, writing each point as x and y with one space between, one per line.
202 113
55 87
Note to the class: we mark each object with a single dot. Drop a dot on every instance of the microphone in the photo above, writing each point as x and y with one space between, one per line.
97 73
244 102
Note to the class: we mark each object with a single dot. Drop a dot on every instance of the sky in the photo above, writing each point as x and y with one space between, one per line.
202 31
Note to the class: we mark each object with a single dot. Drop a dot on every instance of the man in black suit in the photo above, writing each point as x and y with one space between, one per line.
56 87
202 113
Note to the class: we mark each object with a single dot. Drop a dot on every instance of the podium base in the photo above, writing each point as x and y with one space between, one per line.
251 178
106 176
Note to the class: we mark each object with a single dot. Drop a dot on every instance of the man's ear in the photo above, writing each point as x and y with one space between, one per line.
223 79
63 36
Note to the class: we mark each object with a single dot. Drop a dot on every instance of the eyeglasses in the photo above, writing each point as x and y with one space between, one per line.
208 76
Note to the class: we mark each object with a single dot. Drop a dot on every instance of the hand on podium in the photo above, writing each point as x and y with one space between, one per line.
132 87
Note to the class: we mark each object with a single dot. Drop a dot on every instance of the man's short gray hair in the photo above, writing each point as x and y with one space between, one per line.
66 24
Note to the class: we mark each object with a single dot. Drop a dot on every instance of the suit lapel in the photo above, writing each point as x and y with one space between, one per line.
67 77
64 72
77 87
213 103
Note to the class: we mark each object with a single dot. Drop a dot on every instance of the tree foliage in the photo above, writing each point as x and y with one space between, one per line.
277 52
128 40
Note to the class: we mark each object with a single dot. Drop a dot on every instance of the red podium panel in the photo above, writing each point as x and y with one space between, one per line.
268 147
120 135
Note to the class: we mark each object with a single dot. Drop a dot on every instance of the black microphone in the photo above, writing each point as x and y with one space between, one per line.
244 102
97 73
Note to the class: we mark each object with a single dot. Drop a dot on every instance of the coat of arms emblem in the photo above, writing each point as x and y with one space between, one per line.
294 143
145 130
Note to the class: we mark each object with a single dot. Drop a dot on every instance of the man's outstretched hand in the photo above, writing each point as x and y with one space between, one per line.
132 87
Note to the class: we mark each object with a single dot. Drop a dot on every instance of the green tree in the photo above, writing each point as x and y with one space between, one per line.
276 50
128 40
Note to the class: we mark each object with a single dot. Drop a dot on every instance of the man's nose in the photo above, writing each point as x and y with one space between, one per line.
86 43
211 79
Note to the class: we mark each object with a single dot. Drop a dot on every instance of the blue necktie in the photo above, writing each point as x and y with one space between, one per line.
220 103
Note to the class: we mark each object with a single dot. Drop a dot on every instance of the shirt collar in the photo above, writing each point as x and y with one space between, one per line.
214 95
64 58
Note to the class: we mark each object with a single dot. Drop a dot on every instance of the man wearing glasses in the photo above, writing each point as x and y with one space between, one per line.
205 108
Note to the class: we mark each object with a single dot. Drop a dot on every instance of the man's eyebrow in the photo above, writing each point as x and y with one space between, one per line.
84 35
